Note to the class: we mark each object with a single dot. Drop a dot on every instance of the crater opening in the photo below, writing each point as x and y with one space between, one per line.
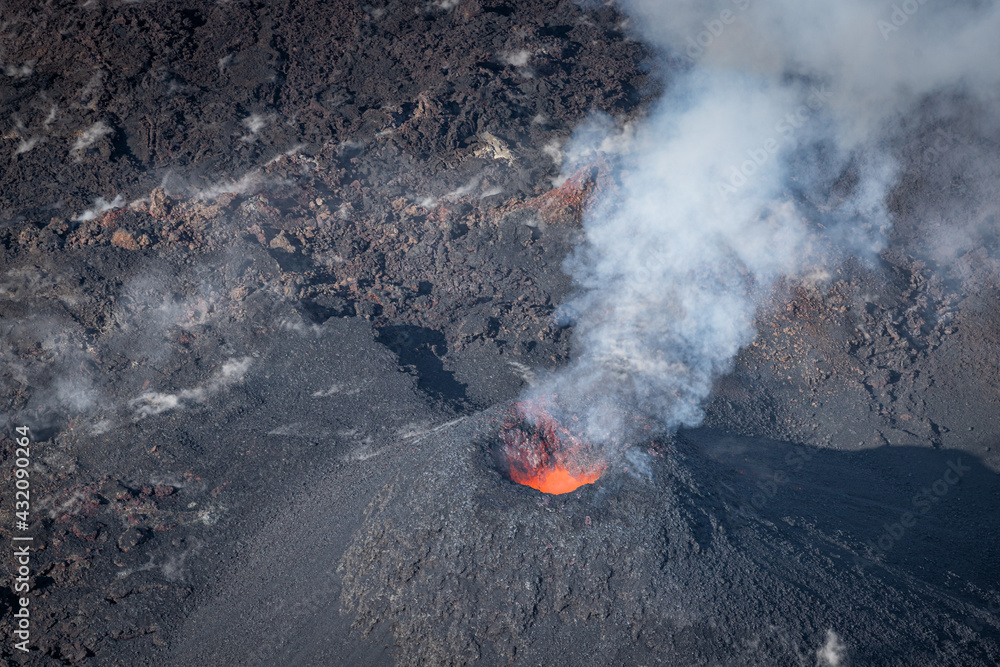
535 450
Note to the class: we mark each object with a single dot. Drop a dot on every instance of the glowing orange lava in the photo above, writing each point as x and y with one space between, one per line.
545 455
554 480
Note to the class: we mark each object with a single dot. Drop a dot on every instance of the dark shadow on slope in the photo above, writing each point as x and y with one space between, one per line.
922 512
421 350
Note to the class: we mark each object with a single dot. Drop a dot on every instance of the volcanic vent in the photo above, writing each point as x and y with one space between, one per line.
655 562
539 452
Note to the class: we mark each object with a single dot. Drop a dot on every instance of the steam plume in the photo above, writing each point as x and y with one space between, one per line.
770 155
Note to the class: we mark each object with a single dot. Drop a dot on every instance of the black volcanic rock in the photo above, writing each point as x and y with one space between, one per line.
339 233
671 557
201 92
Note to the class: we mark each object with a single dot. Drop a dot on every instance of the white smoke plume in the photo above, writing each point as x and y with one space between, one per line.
770 155
101 206
831 653
43 361
152 403
90 136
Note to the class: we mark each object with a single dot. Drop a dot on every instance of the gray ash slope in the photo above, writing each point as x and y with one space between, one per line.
148 499
671 559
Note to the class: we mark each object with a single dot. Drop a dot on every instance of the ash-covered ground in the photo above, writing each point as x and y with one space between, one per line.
271 271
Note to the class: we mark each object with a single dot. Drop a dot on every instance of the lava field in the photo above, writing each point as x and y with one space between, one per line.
452 332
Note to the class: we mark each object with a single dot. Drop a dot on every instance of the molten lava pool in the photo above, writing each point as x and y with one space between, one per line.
554 480
545 455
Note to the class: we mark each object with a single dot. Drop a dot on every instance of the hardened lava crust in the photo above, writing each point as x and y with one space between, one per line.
270 275
670 557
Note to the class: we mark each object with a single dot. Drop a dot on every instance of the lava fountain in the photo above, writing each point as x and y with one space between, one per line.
544 454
